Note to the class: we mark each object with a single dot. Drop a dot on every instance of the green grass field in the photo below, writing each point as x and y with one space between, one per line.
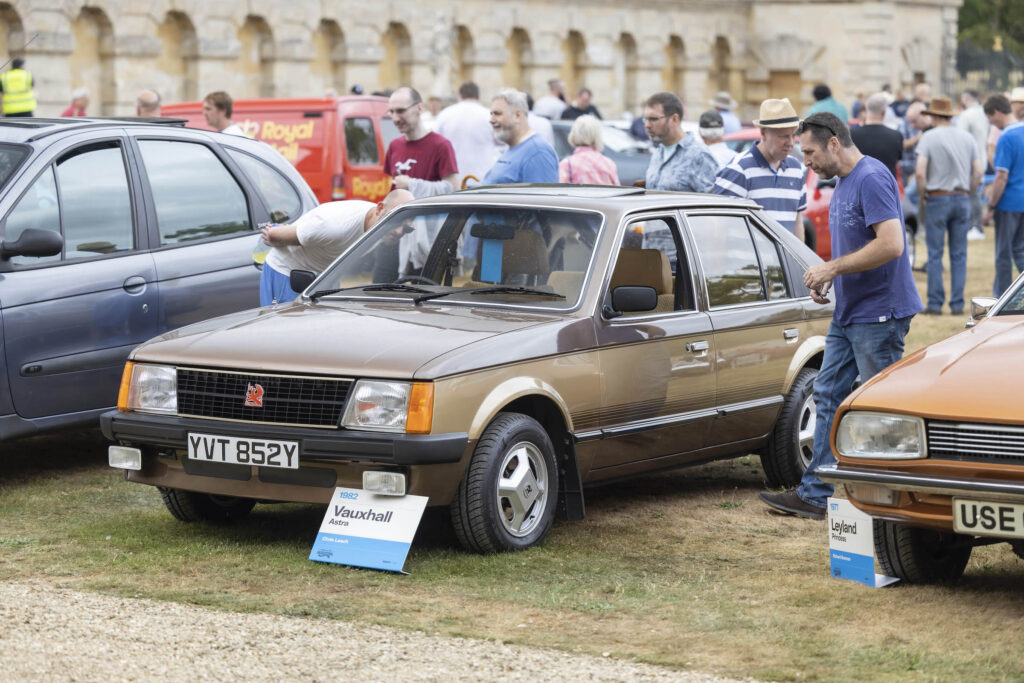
685 569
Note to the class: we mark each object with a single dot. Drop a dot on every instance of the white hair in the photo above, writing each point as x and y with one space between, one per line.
79 92
712 133
515 99
586 131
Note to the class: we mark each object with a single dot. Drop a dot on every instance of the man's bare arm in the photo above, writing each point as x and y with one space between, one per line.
280 236
887 245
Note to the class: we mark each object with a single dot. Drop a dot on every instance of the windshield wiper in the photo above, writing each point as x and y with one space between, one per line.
501 289
382 287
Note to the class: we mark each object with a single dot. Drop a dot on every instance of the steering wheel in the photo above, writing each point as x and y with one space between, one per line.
419 279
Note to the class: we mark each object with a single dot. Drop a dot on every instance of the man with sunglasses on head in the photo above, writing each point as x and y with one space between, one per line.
874 289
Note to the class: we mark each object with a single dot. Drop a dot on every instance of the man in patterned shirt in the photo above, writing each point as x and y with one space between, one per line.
679 161
766 173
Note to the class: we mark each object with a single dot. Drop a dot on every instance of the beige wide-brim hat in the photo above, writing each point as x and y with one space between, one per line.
777 114
940 106
723 100
1017 95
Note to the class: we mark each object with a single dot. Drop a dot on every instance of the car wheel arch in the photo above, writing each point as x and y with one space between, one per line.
809 355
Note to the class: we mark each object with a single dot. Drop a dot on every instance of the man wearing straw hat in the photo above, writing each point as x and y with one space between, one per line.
948 170
766 173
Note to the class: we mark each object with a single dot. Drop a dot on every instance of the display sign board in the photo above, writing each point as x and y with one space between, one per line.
363 529
852 545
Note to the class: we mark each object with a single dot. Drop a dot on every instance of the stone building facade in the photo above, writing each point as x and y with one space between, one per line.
623 50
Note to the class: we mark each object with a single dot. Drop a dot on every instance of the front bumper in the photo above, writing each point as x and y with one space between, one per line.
987 489
323 445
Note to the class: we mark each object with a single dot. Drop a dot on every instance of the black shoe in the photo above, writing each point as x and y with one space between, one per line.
791 504
931 311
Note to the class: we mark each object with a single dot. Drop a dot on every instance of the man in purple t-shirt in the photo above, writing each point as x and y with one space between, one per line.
874 289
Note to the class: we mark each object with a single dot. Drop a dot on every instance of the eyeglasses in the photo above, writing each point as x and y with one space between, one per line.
399 110
802 128
653 119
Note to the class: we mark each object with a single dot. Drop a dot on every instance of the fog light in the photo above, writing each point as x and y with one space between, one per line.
875 495
124 458
384 483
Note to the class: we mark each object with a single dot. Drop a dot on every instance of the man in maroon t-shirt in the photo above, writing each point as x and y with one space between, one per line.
420 161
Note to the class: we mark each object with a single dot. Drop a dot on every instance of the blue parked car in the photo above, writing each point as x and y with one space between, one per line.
114 231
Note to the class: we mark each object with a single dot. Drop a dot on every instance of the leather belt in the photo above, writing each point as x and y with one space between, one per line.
940 193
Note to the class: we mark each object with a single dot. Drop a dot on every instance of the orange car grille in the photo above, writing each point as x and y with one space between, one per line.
279 399
975 442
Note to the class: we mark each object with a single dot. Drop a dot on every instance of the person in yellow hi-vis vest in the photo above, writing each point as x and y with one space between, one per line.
16 90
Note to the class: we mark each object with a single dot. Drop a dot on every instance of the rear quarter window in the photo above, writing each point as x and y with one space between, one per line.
282 200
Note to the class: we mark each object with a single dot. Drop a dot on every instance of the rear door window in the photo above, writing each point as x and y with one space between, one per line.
360 142
729 259
282 199
195 195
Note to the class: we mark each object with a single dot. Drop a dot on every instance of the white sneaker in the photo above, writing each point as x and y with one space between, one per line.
975 233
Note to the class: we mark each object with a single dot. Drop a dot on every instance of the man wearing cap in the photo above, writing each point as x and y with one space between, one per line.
875 296
1007 192
948 170
766 173
679 162
724 104
711 131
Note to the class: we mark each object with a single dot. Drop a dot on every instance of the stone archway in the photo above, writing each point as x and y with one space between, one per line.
176 76
396 66
465 57
12 33
329 56
91 62
574 49
625 67
515 72
673 76
254 66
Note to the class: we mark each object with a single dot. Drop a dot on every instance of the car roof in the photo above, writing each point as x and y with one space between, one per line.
597 197
31 129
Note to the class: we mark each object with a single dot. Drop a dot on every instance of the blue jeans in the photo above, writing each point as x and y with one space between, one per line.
862 349
1009 248
947 214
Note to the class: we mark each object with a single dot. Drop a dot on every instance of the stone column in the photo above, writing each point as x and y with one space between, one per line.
363 56
290 55
217 47
46 58
132 51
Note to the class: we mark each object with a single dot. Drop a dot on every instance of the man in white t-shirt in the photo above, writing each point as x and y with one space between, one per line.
316 239
467 125
218 108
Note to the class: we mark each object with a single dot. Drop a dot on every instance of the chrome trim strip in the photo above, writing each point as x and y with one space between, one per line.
243 373
901 481
594 435
749 405
658 422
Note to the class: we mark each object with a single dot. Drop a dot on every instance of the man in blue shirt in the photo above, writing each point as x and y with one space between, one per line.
1007 192
679 162
874 289
528 159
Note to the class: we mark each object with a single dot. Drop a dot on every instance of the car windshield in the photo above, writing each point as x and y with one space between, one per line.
1015 301
477 255
11 157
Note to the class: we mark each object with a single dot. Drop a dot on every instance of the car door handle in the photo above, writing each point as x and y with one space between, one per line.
791 335
698 347
136 284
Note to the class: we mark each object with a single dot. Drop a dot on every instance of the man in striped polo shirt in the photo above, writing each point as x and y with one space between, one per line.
766 173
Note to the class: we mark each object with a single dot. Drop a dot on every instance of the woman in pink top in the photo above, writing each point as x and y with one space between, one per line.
586 165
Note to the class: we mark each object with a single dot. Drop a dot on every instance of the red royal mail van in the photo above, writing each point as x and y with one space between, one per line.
336 143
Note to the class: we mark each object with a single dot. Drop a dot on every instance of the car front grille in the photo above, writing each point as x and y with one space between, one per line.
974 442
284 399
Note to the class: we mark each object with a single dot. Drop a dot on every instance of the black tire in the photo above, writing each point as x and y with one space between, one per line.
189 506
810 236
920 555
911 233
516 450
791 445
1018 548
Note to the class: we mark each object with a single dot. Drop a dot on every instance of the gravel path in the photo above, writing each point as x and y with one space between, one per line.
51 634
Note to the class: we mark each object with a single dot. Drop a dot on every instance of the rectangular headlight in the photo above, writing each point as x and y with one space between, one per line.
379 406
152 389
881 435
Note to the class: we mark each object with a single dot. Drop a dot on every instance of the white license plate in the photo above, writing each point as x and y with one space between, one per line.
237 451
988 518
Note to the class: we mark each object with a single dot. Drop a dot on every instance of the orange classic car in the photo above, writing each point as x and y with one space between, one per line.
933 447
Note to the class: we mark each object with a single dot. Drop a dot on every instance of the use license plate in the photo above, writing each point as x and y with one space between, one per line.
987 518
238 451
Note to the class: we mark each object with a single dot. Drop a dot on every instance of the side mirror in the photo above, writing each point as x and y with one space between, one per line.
33 242
299 280
629 299
980 306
